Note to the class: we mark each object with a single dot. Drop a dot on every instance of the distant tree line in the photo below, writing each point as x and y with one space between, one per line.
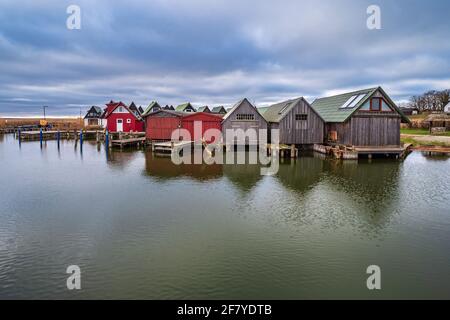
430 101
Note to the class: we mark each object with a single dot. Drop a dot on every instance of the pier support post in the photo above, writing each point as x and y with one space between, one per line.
41 136
292 150
107 139
81 137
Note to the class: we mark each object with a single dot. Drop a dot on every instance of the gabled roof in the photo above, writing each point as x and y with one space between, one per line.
141 110
152 107
133 106
329 108
95 109
114 105
237 106
167 107
204 109
278 111
183 106
218 109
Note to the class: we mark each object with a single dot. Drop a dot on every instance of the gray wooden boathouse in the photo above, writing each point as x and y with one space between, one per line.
297 122
243 115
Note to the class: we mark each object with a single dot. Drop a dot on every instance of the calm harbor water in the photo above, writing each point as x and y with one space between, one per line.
140 227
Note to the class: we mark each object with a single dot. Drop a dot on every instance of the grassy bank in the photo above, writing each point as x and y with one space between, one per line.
423 143
57 123
423 132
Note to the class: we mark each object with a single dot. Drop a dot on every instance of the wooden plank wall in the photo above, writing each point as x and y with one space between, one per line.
368 130
244 108
308 131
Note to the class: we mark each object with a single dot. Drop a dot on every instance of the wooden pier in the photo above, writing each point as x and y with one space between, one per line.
168 147
284 150
53 135
353 153
128 142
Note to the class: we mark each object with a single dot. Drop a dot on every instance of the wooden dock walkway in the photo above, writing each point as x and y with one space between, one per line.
128 142
284 150
354 152
168 147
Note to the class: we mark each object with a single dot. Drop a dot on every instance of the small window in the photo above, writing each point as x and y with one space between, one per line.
301 116
245 116
120 109
375 104
128 120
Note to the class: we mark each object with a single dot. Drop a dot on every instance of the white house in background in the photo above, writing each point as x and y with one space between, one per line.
447 108
93 117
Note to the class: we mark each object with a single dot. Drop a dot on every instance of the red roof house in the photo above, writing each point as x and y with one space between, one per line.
120 118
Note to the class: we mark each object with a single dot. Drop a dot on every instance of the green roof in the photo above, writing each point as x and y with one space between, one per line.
150 106
262 109
202 109
329 108
183 106
276 112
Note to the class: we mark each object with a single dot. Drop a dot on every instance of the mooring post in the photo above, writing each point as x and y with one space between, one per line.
18 132
58 137
41 136
107 139
81 138
292 150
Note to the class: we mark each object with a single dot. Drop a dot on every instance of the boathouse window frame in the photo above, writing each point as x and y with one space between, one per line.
245 117
301 117
376 107
128 121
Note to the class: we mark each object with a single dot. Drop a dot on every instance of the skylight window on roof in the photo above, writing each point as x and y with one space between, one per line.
353 101
356 101
347 103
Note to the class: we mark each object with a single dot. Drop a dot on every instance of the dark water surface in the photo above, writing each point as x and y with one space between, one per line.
141 227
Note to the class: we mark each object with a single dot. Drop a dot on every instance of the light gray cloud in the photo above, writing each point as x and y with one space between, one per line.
215 52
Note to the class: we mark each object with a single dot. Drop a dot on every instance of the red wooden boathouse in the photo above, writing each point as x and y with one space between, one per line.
119 118
207 120
161 124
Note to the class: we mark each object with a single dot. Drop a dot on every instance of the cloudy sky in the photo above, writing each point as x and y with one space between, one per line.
215 52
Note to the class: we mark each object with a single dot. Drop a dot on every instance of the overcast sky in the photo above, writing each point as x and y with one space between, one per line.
215 52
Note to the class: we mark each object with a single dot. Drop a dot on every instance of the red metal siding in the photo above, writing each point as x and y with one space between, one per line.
207 120
160 128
